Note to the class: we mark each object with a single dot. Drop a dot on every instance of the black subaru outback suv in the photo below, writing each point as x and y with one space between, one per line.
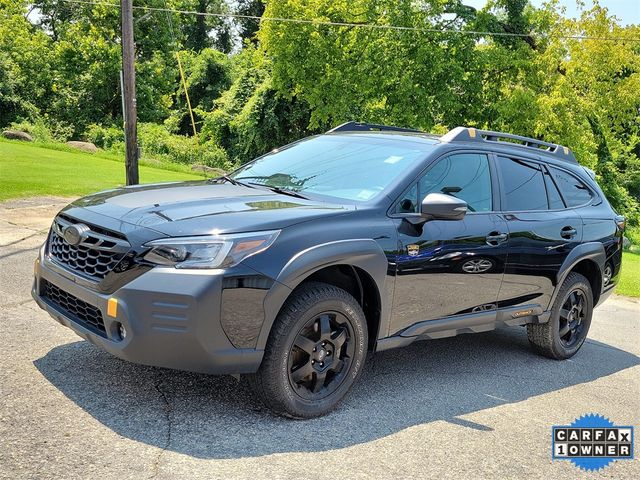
366 238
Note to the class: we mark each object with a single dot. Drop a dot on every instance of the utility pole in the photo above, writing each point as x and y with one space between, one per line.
129 93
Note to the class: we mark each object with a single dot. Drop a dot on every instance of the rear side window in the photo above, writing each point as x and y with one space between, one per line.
523 185
573 190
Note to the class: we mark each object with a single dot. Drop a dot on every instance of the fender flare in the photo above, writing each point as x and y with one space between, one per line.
587 251
365 254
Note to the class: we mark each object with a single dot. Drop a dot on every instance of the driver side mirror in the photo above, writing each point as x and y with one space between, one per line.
438 206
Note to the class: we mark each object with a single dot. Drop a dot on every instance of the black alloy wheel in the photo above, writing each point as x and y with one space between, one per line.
321 355
572 315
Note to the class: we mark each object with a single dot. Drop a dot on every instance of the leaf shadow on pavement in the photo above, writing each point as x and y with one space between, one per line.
217 416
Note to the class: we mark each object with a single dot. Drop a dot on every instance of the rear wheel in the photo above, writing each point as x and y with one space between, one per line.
315 352
565 332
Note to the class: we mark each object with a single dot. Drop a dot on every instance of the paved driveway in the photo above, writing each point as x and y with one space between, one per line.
474 406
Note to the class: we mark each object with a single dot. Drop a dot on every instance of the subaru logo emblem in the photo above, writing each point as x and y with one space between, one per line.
74 234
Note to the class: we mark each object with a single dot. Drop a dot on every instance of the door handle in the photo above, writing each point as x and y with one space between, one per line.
496 238
568 232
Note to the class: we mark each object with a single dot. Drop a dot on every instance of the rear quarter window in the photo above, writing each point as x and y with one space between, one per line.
574 191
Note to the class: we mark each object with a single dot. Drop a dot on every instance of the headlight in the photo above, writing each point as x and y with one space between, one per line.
216 251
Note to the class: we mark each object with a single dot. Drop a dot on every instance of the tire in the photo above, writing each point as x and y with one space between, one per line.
296 381
565 332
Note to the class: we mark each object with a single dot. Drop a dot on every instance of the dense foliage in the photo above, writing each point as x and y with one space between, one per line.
255 85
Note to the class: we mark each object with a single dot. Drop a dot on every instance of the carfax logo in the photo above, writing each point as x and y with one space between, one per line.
592 442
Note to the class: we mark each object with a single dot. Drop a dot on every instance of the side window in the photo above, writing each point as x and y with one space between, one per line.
573 190
523 185
465 176
555 200
409 201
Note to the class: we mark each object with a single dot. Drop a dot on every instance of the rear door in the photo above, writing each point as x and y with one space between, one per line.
542 231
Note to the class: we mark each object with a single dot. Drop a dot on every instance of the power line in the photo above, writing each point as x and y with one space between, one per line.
350 24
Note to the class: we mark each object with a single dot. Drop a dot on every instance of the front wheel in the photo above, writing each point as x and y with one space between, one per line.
565 332
315 352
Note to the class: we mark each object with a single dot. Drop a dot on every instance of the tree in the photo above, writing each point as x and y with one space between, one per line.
26 74
411 78
248 27
205 31
207 76
252 117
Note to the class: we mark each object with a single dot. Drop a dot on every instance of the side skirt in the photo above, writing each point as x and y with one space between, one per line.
468 323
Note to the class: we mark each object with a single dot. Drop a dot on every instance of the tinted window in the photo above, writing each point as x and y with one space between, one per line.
573 190
523 185
354 167
465 176
555 200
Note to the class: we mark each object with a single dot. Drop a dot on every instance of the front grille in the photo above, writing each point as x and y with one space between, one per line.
79 311
98 252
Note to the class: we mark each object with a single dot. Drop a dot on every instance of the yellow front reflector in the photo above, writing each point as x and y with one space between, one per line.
472 132
112 307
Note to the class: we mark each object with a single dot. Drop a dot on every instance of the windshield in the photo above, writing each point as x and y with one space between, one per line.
349 167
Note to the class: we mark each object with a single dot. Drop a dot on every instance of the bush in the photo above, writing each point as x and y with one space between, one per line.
213 155
108 138
633 234
45 129
157 142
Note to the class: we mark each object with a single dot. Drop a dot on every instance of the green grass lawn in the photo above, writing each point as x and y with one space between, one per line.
27 170
630 281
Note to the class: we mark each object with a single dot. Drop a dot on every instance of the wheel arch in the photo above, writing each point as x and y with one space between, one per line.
589 260
357 266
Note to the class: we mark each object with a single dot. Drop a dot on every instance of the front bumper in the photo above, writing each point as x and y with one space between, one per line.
172 319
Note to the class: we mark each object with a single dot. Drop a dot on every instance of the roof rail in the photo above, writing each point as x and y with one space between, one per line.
463 134
369 127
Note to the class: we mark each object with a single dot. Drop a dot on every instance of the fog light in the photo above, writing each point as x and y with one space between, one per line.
122 331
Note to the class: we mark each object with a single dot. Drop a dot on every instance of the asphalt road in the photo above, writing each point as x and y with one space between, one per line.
474 406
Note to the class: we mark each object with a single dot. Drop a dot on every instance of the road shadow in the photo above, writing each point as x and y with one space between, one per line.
217 417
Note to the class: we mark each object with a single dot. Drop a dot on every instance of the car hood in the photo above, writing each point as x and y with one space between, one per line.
200 208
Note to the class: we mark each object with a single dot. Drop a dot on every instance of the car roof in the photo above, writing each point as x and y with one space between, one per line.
465 136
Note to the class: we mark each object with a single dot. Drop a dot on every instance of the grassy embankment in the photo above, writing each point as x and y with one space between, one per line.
32 169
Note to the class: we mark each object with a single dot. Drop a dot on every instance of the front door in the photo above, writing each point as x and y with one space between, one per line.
449 267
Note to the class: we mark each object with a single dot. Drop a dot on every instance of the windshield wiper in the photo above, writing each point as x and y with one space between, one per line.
281 190
232 181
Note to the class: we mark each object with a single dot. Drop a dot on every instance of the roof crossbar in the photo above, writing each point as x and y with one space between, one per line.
369 127
463 134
